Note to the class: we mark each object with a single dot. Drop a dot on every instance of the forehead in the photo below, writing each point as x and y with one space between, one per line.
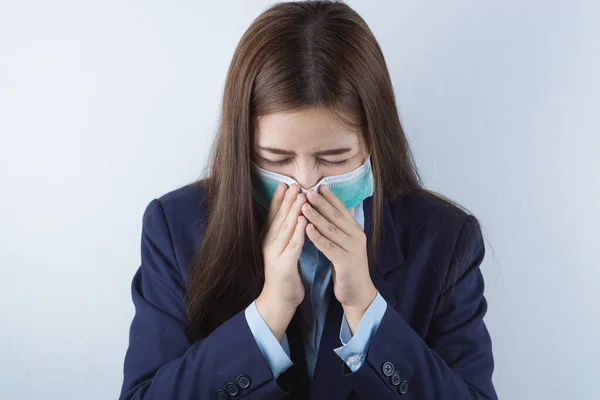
307 129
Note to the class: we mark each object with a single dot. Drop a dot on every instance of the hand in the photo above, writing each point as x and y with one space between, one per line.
283 289
336 233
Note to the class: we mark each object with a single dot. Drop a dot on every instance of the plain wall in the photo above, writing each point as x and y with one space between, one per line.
105 105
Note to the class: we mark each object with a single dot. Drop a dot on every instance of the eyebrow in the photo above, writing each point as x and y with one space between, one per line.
330 152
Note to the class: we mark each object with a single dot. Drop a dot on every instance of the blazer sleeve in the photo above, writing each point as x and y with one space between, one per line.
455 360
160 361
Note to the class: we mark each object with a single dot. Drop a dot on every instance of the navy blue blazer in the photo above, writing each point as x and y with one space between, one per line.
432 336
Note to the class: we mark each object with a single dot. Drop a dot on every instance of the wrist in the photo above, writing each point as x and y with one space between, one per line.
355 313
362 303
276 317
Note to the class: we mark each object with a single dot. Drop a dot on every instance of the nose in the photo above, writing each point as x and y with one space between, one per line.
307 177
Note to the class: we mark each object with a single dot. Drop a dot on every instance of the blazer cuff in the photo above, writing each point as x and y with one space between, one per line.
354 348
277 354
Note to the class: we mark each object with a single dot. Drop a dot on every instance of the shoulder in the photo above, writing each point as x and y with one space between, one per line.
181 205
176 220
426 219
427 207
185 202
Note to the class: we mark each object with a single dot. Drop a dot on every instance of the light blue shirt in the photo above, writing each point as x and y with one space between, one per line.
315 271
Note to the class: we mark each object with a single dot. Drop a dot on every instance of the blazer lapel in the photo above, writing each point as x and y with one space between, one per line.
328 381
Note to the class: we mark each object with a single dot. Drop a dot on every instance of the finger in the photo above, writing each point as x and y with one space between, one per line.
340 218
326 228
276 202
294 247
287 228
335 201
282 212
331 250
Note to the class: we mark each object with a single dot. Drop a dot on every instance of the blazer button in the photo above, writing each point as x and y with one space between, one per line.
232 389
388 368
395 378
403 387
221 395
243 381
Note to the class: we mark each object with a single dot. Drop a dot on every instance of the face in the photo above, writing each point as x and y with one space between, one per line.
307 146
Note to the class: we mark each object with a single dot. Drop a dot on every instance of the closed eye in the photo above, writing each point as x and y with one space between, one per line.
288 160
336 163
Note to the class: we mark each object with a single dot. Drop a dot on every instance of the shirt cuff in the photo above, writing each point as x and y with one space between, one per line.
276 353
354 348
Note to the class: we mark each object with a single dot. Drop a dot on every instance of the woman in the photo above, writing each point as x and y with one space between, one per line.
253 286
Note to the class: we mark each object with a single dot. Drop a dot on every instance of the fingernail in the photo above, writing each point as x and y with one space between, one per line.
298 198
313 193
325 188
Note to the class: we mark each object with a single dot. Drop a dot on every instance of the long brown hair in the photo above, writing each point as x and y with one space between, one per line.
294 56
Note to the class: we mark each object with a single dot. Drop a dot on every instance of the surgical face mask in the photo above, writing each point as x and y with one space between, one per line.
351 188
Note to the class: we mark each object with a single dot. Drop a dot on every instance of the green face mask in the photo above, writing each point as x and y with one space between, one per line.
351 188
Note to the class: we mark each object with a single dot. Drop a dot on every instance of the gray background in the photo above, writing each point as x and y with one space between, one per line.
107 104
